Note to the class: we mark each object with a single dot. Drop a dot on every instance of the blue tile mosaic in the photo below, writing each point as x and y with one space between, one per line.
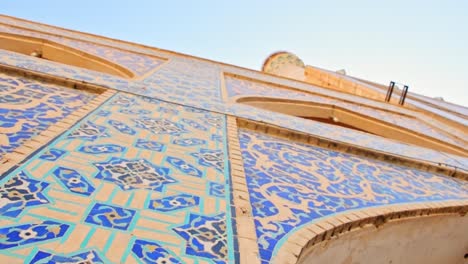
194 124
217 189
28 107
206 237
19 235
189 142
110 216
175 202
123 128
21 192
151 252
89 131
184 167
86 257
52 154
134 174
307 182
73 181
149 145
210 158
102 149
160 126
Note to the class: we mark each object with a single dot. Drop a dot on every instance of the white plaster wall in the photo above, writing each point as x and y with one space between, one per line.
441 239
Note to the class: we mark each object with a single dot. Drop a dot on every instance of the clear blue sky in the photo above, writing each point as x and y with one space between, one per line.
421 43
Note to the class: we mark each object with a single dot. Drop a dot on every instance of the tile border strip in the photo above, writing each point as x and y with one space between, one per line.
245 226
299 137
325 228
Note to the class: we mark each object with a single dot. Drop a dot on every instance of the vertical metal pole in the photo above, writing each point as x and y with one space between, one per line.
403 95
389 91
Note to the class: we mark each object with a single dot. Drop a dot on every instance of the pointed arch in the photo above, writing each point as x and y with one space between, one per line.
53 51
335 115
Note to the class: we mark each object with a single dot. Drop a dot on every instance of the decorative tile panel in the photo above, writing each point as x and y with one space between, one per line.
133 174
21 192
87 257
28 107
152 252
124 192
206 237
292 184
74 181
20 235
110 216
176 202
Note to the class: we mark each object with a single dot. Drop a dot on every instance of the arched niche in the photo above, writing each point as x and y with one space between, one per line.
53 51
338 116
424 239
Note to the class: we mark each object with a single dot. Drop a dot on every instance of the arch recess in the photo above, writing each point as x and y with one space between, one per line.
53 51
406 233
338 116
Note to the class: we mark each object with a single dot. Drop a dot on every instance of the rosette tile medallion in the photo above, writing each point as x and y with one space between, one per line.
178 159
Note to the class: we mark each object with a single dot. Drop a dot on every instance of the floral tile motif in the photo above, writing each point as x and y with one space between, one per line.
73 181
135 111
189 142
152 252
102 149
214 120
110 216
194 124
184 167
134 174
28 107
19 235
175 202
160 126
150 145
301 183
52 154
123 100
217 189
168 110
20 192
210 158
103 113
123 128
217 138
206 237
89 131
87 257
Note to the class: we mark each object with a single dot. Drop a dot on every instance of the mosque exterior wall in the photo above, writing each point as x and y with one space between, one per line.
167 163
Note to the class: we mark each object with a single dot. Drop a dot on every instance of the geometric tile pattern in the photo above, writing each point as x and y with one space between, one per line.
73 181
149 145
28 107
205 236
123 194
152 252
154 182
52 154
176 202
19 235
184 167
85 257
110 216
134 174
21 192
300 183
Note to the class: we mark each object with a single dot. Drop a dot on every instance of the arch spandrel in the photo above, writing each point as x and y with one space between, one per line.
293 184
